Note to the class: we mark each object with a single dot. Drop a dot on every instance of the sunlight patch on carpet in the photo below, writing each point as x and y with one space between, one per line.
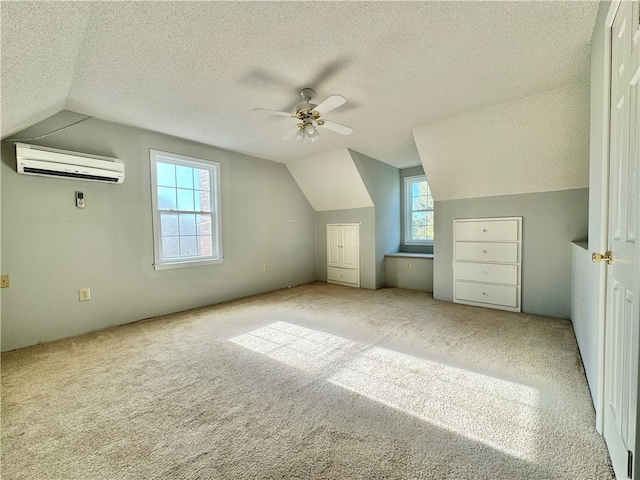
495 412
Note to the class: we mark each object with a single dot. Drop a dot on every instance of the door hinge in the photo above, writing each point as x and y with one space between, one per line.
629 464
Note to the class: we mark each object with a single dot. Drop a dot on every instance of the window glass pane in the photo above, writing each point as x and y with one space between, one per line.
188 247
185 199
169 224
184 176
423 188
201 179
203 224
420 203
204 245
419 218
166 198
430 232
187 224
430 218
419 232
166 174
202 203
170 247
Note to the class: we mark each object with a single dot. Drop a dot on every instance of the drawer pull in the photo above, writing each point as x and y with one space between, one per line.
485 294
484 272
485 251
484 230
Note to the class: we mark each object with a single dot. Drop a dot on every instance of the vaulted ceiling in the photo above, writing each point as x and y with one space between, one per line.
197 69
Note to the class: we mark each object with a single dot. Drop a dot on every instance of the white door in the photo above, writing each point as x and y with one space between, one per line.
334 252
350 246
622 314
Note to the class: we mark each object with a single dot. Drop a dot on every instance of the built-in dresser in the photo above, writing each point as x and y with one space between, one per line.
487 261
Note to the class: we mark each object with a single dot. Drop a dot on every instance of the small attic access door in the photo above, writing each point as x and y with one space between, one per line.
343 254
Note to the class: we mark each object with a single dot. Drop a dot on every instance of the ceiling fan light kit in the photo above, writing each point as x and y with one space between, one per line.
309 116
307 132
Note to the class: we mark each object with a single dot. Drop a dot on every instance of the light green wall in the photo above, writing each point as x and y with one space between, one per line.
551 221
383 184
418 277
51 248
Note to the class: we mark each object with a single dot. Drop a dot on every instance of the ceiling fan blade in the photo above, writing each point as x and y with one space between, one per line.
336 127
334 101
273 112
291 133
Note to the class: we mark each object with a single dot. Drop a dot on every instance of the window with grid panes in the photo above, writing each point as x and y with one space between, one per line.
418 211
186 211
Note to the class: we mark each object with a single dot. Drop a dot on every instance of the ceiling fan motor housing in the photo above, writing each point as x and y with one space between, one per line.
309 118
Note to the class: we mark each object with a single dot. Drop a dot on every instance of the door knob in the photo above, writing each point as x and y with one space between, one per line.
598 257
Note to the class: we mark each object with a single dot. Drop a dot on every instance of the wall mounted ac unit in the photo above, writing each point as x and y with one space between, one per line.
51 162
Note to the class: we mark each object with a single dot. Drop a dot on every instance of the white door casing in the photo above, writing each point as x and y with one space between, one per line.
622 320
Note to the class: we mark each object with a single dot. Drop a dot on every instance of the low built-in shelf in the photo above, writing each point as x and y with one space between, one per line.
413 271
582 244
410 255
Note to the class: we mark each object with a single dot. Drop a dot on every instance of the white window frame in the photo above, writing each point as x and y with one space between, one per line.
408 183
157 156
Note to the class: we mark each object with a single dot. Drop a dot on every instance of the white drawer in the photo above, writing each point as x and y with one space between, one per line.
487 252
343 275
491 294
487 272
487 231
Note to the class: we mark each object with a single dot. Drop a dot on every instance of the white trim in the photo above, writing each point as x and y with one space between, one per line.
156 156
185 264
407 211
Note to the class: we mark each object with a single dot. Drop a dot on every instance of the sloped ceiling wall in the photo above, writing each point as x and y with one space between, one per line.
46 68
535 144
331 181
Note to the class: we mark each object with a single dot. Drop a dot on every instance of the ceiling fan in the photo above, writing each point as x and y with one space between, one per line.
309 116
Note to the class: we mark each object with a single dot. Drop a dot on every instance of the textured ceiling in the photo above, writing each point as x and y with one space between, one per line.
197 69
535 144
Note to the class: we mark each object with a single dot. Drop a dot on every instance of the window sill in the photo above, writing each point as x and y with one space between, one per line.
410 255
196 263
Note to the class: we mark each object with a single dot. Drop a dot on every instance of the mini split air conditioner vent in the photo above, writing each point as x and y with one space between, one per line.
51 162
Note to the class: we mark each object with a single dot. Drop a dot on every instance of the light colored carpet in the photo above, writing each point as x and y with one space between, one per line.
314 382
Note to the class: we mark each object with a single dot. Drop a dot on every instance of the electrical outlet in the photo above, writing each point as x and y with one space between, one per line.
266 267
84 294
408 265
